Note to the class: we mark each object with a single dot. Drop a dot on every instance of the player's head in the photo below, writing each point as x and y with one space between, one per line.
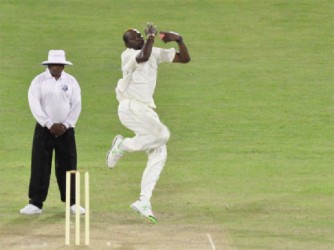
133 39
56 69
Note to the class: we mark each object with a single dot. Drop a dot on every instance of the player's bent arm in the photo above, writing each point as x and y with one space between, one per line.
146 51
183 55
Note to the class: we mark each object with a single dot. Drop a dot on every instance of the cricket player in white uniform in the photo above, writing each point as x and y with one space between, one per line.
136 112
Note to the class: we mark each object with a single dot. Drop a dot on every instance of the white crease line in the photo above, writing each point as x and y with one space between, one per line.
211 242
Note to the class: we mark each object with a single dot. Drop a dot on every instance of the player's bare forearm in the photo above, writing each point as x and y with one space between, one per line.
183 55
146 51
150 32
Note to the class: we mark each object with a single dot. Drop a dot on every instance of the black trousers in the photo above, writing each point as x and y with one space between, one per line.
44 144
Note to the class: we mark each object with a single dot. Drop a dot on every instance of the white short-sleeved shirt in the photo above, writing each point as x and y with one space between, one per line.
139 79
55 101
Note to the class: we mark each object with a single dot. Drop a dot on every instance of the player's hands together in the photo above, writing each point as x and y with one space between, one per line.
151 30
165 36
58 129
169 36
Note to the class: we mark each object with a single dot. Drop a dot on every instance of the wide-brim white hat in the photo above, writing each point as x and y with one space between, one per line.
56 57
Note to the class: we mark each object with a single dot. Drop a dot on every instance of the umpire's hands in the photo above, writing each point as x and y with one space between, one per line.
150 30
58 129
169 36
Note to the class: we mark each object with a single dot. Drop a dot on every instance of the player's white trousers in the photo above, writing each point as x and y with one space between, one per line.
151 136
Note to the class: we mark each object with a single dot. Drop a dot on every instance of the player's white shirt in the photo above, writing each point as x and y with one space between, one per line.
55 101
139 79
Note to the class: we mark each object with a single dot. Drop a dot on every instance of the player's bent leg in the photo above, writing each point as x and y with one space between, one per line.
145 123
147 142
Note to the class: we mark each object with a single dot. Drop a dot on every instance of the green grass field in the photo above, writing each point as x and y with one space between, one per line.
250 159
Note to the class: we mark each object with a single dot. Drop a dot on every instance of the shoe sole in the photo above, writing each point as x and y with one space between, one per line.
150 218
112 145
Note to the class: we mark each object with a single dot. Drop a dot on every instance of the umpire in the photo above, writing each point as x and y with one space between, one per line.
55 101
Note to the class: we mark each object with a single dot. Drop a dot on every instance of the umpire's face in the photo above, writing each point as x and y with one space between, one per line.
56 69
134 39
